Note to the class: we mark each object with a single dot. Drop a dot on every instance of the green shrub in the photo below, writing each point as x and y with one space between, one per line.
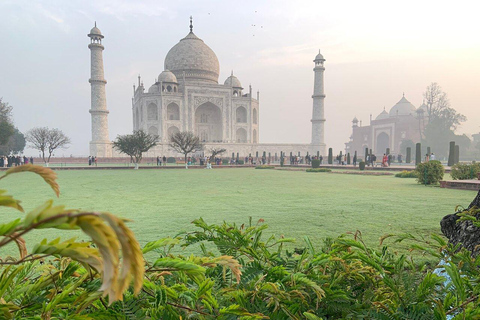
464 171
171 160
315 163
430 172
225 162
407 174
319 170
361 165
241 161
264 166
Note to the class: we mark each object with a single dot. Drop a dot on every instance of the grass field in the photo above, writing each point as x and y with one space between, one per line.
293 203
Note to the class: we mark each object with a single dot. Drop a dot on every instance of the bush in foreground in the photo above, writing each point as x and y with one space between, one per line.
407 174
238 273
315 163
465 171
264 167
319 170
430 172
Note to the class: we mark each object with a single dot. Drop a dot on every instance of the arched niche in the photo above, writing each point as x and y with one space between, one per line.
241 135
254 136
241 115
152 112
172 130
255 116
153 131
173 111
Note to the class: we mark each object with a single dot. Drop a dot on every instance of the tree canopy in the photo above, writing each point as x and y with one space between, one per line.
6 122
135 144
47 140
185 142
442 120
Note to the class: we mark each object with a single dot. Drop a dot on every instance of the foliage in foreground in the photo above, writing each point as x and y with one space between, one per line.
319 170
239 273
407 174
464 171
430 172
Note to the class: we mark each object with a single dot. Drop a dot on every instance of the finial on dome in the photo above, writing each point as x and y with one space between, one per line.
404 94
191 24
95 24
232 72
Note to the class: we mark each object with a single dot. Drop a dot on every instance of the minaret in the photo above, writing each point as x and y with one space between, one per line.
100 145
318 118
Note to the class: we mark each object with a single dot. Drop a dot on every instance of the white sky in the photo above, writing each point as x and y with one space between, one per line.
375 51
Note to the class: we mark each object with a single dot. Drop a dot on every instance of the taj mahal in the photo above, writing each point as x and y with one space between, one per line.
187 96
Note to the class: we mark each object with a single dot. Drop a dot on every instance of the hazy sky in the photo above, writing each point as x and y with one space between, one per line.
375 51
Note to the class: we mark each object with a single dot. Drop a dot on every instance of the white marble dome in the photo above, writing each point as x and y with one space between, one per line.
403 108
233 82
192 56
167 76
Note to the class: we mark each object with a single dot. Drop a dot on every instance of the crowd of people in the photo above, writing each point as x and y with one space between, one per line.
92 161
14 161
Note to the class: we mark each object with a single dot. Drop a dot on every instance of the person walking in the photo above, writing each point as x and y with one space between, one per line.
432 157
164 161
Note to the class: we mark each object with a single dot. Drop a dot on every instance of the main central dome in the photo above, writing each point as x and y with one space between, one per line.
192 56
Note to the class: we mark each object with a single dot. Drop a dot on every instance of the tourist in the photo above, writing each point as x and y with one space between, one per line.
31 160
95 161
427 157
385 160
158 161
164 161
89 160
432 157
355 160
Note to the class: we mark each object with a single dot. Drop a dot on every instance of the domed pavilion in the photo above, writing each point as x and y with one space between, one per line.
403 122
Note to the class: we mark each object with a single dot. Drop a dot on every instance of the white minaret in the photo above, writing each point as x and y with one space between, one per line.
318 117
100 145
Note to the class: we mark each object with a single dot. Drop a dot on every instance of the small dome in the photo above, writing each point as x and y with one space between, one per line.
319 56
95 31
233 82
402 108
167 76
383 115
422 108
153 89
355 120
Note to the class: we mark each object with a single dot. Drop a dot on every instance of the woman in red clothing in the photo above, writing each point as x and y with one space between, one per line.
385 160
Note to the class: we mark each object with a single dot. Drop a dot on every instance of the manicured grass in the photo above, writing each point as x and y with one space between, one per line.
293 203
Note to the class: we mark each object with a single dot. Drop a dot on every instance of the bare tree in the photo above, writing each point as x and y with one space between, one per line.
47 140
215 152
185 142
135 144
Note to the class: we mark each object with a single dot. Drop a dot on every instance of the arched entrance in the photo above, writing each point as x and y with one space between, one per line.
383 142
208 123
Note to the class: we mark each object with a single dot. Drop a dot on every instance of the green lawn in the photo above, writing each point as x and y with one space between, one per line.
294 203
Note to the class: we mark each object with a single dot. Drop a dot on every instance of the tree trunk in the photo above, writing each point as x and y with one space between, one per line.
186 164
464 233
